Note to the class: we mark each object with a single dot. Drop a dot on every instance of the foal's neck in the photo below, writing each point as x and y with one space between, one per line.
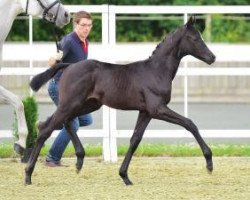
167 55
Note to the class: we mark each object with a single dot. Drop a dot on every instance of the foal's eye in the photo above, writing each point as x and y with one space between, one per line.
192 38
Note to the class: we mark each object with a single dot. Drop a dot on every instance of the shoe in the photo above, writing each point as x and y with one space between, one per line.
54 164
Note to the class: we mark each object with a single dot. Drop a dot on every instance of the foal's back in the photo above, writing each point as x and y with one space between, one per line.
117 86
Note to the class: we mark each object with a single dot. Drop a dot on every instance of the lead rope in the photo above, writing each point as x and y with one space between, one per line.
54 27
55 33
27 5
56 39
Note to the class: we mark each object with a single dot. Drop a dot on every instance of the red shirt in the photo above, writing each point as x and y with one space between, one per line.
85 47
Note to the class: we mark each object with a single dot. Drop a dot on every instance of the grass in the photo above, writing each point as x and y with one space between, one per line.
150 150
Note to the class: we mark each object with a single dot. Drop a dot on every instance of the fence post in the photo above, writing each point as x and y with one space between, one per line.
208 27
31 48
109 115
105 41
112 122
185 79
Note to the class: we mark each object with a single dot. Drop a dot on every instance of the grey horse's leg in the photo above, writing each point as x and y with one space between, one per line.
15 101
141 124
166 114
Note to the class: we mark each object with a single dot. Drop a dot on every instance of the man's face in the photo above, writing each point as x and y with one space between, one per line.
83 28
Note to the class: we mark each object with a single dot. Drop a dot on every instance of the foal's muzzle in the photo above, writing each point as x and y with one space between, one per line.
211 59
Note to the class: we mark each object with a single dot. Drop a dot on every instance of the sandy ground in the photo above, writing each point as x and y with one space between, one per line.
153 178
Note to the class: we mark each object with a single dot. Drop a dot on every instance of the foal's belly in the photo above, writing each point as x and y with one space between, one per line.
124 101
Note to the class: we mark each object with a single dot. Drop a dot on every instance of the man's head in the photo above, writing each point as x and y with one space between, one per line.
82 22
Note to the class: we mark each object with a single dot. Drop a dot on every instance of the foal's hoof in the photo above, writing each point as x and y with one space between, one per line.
127 181
210 169
78 169
27 181
18 149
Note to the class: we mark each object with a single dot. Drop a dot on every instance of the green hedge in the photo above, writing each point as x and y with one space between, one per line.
143 28
31 115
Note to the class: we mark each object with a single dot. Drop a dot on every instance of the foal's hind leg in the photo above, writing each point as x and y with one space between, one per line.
87 107
14 100
166 114
44 134
80 153
141 124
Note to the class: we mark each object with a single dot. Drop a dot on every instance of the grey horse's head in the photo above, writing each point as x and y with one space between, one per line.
50 10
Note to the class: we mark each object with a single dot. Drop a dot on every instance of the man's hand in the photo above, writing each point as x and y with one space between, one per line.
55 58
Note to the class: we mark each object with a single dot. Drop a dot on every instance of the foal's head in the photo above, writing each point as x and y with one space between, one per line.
192 43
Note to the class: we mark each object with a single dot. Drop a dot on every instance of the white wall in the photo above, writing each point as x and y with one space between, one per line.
120 52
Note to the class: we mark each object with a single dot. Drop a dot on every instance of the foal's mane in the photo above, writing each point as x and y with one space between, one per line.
168 41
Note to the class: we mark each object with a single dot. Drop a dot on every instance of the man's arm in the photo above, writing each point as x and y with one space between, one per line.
63 47
57 57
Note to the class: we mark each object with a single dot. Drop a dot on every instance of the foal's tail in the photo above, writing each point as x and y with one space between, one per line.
40 79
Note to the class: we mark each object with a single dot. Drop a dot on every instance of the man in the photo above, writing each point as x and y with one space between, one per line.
74 48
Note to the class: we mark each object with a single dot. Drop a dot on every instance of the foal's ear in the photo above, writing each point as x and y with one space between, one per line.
191 21
200 25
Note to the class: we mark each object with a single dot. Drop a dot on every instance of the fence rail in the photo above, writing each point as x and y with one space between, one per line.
109 132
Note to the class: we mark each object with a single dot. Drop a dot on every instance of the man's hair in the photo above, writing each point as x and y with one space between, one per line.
79 15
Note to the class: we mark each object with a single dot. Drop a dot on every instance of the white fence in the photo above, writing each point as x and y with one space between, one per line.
109 132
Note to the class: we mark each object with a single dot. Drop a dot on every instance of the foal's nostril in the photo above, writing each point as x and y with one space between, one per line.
214 57
66 14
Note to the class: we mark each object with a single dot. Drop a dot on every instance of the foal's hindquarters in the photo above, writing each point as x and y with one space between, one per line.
66 111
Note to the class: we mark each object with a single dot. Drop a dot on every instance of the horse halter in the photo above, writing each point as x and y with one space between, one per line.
46 15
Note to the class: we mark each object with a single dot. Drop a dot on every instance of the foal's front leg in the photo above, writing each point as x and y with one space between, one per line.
142 122
166 114
80 153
